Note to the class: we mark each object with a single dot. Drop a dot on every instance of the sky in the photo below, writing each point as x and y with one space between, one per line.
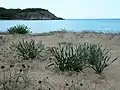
70 9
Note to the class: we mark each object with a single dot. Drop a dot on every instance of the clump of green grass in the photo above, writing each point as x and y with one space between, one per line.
99 57
76 58
19 29
69 58
29 49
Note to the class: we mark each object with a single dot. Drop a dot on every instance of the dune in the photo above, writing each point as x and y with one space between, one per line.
53 78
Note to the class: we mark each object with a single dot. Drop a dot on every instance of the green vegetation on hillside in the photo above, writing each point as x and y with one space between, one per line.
9 14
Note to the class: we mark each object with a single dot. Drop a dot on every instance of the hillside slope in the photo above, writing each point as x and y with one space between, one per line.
27 14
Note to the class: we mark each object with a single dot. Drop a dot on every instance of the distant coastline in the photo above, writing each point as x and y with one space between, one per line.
27 14
92 19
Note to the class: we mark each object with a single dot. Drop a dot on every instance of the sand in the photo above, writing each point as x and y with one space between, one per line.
88 80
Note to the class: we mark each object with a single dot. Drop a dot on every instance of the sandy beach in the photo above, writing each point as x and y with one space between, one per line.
51 76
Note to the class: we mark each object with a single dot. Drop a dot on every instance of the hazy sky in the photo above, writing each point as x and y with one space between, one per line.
70 8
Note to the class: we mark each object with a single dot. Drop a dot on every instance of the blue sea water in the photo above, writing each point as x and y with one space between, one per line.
39 26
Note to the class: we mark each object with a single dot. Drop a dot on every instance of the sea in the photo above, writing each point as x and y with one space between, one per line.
76 25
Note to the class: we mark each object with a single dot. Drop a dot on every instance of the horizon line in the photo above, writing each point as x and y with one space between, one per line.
89 18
